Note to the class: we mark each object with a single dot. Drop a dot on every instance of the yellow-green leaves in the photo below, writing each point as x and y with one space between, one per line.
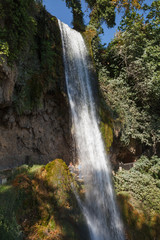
4 51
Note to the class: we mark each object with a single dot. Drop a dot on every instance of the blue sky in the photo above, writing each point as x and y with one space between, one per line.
58 8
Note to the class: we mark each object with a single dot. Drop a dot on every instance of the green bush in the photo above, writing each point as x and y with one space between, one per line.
138 194
142 182
9 229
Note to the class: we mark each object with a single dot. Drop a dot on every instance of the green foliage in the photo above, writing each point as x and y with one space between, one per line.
11 203
128 5
9 200
143 165
101 11
129 76
19 25
9 229
138 193
41 200
138 223
4 51
105 10
141 182
77 22
40 65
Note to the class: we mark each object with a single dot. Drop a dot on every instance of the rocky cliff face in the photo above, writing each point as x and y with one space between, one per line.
8 77
37 137
34 111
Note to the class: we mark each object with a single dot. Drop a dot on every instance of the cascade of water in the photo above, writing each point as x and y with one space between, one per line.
99 207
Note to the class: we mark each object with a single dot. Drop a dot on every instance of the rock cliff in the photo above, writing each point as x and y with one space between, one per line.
37 137
34 110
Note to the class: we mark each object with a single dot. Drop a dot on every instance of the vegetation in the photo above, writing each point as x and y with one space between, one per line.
128 72
76 7
44 68
17 26
128 69
101 11
39 203
142 182
138 193
129 79
30 39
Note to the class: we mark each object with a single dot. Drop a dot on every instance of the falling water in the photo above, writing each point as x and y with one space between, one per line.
99 207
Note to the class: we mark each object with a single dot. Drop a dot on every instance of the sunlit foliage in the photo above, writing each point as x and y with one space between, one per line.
129 75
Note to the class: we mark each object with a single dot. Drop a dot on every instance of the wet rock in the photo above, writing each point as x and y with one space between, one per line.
120 153
46 117
35 135
8 77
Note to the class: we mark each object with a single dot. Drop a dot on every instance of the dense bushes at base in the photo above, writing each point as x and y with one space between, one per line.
138 224
9 228
138 192
142 181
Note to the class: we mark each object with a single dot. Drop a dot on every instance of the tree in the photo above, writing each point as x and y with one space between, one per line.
129 76
101 11
75 5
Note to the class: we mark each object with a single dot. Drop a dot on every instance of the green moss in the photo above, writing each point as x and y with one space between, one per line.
34 169
4 188
139 224
107 134
106 127
58 174
39 64
19 25
41 200
88 35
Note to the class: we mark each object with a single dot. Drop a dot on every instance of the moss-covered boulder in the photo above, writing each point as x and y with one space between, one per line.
39 203
139 224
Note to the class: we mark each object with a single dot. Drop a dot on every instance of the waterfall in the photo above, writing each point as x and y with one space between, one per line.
99 207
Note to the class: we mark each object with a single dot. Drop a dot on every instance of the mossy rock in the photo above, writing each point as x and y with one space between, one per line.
106 127
40 63
40 203
58 175
88 36
138 223
107 134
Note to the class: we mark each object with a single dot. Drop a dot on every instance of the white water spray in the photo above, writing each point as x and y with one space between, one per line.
99 207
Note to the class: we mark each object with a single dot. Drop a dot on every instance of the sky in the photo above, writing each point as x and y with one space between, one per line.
58 8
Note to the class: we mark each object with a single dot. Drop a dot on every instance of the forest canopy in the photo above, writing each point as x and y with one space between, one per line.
129 75
101 11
